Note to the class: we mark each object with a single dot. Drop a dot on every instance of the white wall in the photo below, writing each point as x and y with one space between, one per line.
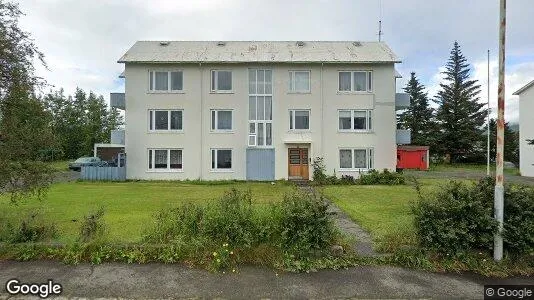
526 132
324 102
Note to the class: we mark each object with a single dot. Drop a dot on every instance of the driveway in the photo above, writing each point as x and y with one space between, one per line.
156 280
467 174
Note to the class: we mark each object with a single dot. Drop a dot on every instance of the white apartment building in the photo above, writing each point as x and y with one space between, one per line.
258 110
526 129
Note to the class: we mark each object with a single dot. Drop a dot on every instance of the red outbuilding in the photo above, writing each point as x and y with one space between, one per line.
412 157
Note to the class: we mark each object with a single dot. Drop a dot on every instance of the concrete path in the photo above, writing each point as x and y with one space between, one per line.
155 280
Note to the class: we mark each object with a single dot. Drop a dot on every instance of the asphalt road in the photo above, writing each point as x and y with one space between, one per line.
155 280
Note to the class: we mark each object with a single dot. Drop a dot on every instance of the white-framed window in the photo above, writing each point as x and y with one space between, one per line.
166 81
356 158
260 107
299 119
221 80
165 120
165 160
299 81
355 120
355 81
221 120
221 159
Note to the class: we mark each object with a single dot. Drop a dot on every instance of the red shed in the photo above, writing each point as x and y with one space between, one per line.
412 157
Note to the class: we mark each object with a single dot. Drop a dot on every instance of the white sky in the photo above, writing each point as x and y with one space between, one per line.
82 40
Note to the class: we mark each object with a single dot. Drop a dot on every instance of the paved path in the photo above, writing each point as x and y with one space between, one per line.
362 241
175 281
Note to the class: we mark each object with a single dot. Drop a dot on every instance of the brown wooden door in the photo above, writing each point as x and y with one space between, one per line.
298 163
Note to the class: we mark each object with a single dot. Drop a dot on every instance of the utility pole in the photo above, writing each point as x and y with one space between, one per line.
489 110
499 178
380 30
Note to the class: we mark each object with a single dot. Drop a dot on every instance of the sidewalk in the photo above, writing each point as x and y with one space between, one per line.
175 281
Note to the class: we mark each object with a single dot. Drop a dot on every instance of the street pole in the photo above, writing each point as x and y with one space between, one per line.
489 110
499 178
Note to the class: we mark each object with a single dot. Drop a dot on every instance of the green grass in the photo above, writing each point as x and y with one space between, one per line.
59 165
129 206
382 210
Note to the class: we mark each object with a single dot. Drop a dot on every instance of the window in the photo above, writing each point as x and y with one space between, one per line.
299 81
355 81
165 120
221 159
165 160
166 81
360 158
260 108
299 119
221 120
355 120
221 81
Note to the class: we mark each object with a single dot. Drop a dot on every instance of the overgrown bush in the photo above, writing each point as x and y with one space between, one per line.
458 218
385 178
319 169
305 223
33 228
92 226
299 224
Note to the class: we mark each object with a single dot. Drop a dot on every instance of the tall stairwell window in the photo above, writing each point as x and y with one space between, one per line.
260 104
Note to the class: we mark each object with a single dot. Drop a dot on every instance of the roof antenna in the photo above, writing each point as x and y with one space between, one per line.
380 21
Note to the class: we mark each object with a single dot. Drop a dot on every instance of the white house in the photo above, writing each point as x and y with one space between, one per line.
258 110
526 129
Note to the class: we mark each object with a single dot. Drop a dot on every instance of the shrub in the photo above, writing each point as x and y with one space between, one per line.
385 178
319 170
93 226
305 223
33 228
459 218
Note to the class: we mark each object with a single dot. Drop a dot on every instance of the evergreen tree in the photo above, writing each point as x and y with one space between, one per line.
460 116
511 142
419 117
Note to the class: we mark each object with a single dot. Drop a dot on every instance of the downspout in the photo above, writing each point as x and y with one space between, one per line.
201 122
322 112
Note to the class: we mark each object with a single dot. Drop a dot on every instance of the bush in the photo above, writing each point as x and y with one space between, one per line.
305 223
319 170
385 178
458 218
93 226
33 228
299 224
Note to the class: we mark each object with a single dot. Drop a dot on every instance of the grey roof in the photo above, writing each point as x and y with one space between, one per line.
121 75
526 87
259 51
397 74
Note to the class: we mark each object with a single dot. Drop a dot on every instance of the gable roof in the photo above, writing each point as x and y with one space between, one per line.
259 51
524 88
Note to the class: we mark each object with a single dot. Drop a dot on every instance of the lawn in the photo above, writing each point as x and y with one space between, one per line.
129 206
481 168
59 165
382 210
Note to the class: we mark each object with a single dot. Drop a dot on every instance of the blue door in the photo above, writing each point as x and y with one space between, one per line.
260 164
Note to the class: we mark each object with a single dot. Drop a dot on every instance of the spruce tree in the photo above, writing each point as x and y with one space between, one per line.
419 117
460 116
511 142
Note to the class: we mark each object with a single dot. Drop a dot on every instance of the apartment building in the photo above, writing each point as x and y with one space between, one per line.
526 129
258 110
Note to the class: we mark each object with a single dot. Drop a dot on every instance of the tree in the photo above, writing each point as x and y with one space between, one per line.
459 115
511 142
81 121
24 130
419 117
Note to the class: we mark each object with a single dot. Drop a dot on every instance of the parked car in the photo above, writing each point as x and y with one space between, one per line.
84 162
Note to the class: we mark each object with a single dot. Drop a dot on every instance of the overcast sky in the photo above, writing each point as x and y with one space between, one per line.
82 40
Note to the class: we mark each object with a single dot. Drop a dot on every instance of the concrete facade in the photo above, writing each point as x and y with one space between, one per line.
526 129
196 100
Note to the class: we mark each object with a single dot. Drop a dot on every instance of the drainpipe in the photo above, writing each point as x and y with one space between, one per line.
201 122
322 112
